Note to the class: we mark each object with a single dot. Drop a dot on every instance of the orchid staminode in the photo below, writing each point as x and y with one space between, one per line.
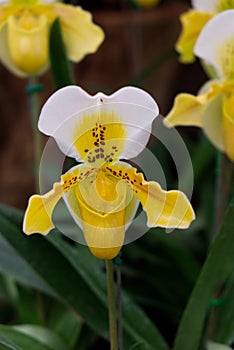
103 192
24 34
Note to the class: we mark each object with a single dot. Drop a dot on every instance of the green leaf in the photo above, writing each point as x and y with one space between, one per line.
64 323
217 346
11 263
76 276
54 269
224 330
26 337
137 326
23 300
60 67
138 346
216 269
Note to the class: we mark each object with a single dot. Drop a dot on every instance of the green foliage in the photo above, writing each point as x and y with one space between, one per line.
76 278
218 266
60 67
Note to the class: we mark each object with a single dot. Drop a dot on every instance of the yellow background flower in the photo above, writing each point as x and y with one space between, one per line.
193 22
212 110
24 34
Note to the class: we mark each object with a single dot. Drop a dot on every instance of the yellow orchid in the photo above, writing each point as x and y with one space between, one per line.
193 22
24 34
103 193
213 108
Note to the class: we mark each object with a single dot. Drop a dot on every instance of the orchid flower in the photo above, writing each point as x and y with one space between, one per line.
193 22
102 193
213 108
24 34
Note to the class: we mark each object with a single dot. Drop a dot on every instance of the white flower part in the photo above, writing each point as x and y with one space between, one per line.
215 43
205 5
67 108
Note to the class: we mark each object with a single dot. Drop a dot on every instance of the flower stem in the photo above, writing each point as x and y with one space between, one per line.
111 305
32 91
120 312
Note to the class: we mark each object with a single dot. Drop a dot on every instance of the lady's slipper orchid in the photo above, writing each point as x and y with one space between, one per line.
193 22
213 108
215 44
24 34
103 193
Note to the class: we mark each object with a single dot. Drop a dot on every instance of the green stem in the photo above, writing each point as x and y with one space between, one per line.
32 91
111 305
120 312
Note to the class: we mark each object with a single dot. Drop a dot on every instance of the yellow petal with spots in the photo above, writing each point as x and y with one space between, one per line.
99 138
192 23
38 215
169 209
228 125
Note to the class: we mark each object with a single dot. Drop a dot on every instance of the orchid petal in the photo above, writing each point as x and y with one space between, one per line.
6 12
103 207
81 36
192 24
213 122
5 55
38 215
28 42
219 34
81 124
228 125
205 5
223 5
169 209
187 110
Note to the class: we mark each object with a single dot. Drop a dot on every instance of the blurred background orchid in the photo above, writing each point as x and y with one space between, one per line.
193 22
24 34
212 109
